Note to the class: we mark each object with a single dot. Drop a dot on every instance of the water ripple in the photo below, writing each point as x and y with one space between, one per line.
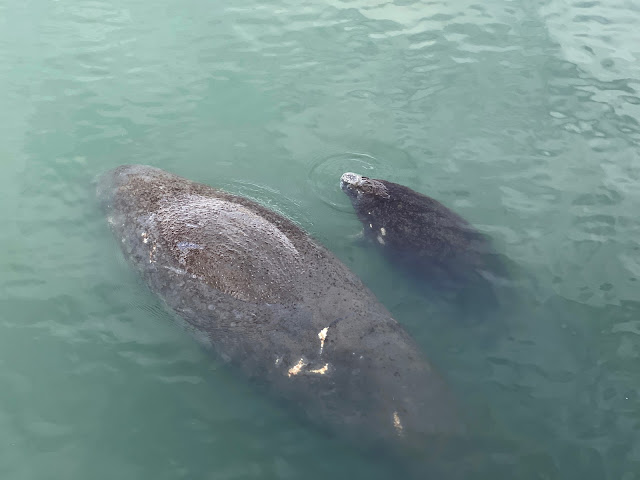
523 117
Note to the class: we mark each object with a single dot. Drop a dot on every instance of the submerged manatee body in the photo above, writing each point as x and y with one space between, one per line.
278 307
422 234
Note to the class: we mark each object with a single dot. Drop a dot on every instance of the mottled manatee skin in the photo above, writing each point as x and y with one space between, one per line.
277 306
420 232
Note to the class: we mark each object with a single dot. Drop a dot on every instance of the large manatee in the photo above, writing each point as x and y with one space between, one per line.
278 307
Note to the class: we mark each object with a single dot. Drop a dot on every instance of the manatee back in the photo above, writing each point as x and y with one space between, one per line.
422 225
230 247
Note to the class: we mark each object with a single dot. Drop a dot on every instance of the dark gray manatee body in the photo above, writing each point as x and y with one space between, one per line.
277 306
421 233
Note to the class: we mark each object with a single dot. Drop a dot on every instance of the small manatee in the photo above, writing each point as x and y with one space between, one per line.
421 234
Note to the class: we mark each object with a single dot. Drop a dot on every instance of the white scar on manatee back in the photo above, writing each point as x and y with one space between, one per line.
322 335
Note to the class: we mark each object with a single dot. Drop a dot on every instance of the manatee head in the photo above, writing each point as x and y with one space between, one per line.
363 190
372 200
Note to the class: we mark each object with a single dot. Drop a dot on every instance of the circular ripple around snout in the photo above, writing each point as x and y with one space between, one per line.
325 174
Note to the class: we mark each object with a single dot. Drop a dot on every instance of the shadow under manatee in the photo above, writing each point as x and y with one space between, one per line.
530 397
472 296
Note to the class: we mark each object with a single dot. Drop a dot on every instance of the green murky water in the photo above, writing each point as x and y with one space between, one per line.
522 116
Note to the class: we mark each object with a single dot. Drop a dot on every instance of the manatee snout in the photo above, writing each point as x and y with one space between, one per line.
349 184
106 188
109 183
356 186
349 179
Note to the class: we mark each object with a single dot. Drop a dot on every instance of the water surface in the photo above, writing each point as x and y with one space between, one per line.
522 116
